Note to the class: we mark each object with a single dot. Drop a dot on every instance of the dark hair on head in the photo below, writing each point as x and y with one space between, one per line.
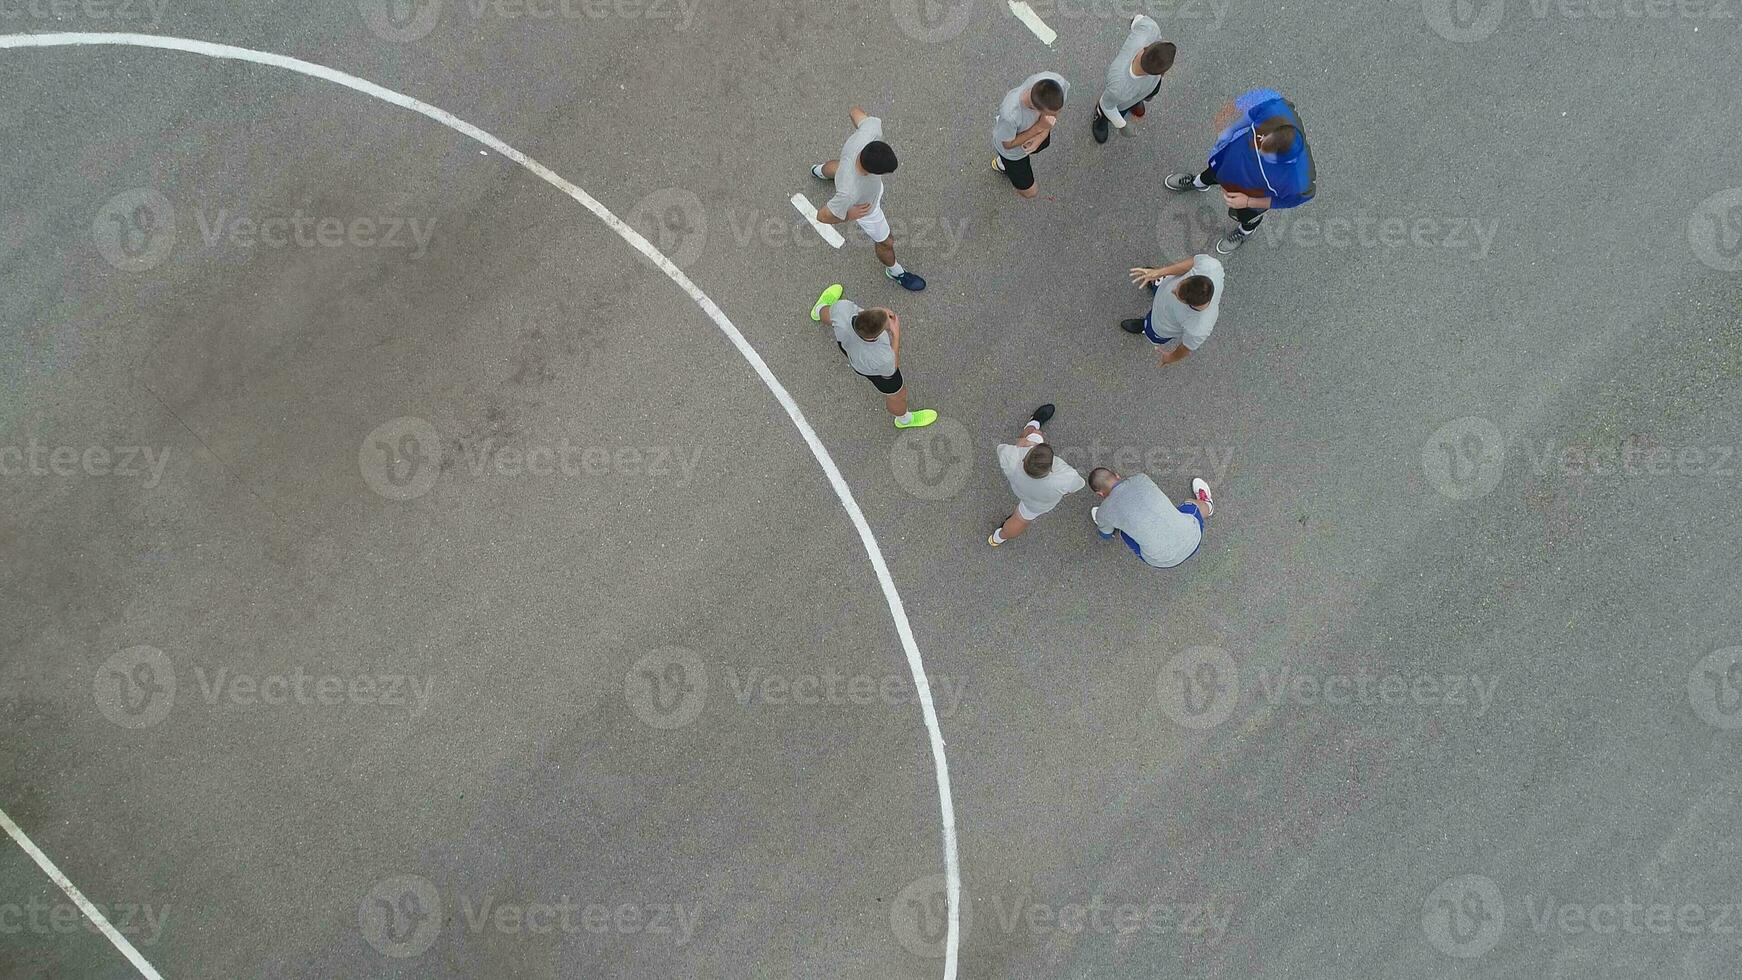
877 157
1101 478
1048 95
1196 290
1038 462
1276 135
1157 58
870 324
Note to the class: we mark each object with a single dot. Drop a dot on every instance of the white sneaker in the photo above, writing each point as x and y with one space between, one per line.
1201 491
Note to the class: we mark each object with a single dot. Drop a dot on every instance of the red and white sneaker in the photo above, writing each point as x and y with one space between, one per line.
1201 490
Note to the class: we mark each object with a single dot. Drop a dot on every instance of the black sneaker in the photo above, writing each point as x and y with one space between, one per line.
1100 128
1182 182
1133 325
1043 414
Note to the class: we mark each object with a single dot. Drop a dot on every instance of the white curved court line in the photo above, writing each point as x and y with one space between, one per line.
915 664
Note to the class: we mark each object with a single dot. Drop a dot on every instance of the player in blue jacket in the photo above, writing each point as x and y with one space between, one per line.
1261 161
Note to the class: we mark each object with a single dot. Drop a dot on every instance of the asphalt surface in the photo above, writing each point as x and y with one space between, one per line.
1448 691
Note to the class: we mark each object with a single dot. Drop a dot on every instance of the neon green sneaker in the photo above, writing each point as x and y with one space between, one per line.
921 417
829 297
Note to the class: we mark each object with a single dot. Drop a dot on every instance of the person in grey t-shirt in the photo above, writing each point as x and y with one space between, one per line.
1024 126
1038 477
859 191
1188 297
1134 77
871 340
1134 508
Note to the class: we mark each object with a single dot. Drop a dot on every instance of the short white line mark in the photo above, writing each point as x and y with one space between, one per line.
809 211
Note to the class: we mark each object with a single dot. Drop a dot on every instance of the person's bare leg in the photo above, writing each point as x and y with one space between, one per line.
1031 191
1013 525
886 251
830 168
896 403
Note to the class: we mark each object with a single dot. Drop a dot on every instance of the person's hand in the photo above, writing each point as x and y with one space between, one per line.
858 211
1048 121
1236 199
1141 276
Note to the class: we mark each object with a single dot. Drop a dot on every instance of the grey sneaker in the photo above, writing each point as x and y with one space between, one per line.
1182 182
1231 241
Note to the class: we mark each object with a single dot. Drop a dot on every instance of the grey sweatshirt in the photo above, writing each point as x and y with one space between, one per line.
1139 508
1125 90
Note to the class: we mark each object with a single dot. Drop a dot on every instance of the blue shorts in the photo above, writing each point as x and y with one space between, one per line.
1189 508
1149 331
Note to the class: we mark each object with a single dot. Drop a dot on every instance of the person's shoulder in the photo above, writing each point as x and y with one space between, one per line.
1205 264
842 310
871 125
1145 26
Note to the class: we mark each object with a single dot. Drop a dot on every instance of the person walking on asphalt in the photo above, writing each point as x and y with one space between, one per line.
1134 508
1024 127
1038 477
1188 295
1134 78
1261 160
871 339
858 175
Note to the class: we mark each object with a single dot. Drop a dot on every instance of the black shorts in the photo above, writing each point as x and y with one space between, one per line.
1021 172
888 385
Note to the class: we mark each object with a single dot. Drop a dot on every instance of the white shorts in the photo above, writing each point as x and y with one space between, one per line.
875 225
1028 515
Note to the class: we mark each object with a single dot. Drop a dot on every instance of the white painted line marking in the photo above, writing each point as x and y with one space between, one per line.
91 911
844 493
805 208
1032 21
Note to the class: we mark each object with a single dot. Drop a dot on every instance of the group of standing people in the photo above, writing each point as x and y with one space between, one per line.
1260 162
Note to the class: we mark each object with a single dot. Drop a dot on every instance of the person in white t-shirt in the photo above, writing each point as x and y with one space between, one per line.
858 175
1188 297
1037 476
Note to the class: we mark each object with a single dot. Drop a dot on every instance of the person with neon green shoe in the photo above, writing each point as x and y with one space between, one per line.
871 339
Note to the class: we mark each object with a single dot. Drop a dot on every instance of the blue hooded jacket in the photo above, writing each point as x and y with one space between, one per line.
1288 179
